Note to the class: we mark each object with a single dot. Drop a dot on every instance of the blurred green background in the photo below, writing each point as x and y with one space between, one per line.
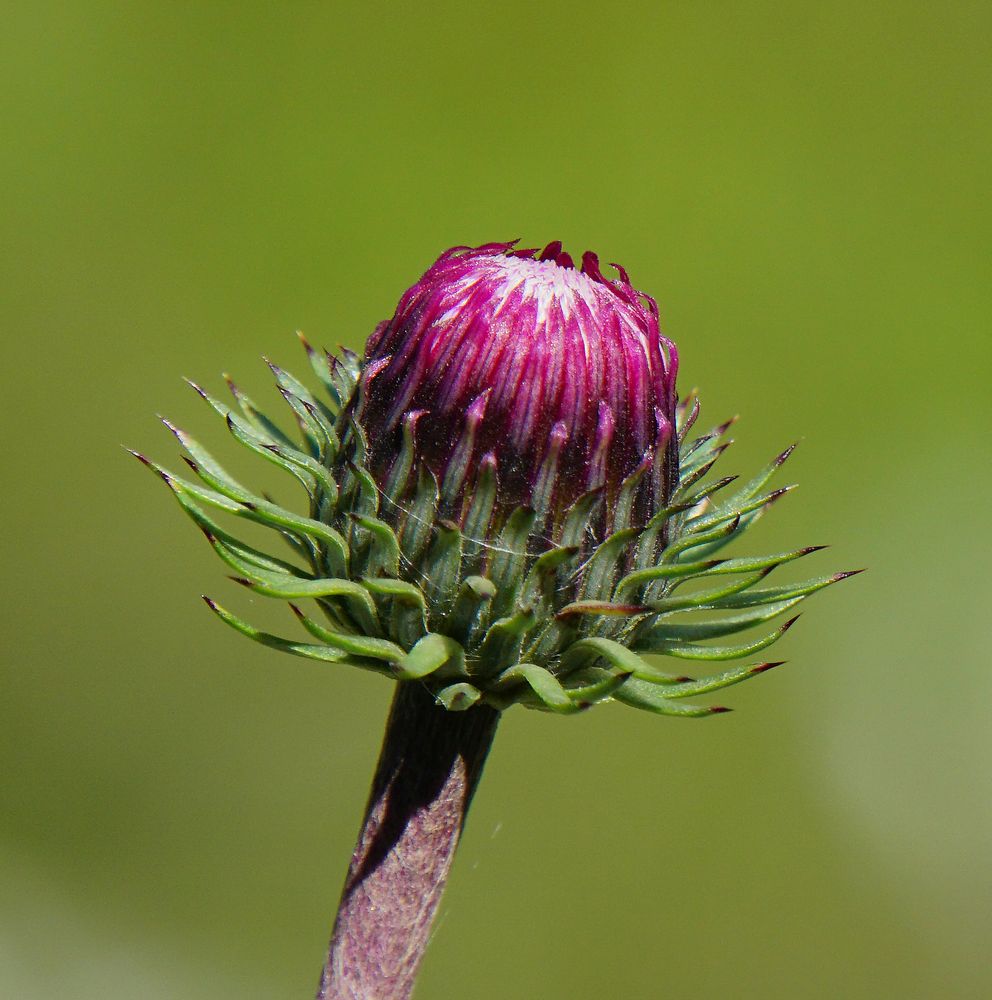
803 186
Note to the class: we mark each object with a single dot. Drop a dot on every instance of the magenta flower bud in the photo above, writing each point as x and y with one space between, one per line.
495 507
547 368
499 503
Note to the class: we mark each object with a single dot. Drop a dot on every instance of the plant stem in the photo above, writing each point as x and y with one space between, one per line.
430 764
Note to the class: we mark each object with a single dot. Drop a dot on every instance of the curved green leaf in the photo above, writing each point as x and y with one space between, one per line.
595 685
542 682
640 694
752 488
687 542
690 651
705 599
666 631
428 655
355 645
767 595
261 511
716 681
216 534
579 608
398 590
586 651
309 650
667 571
503 641
266 427
458 697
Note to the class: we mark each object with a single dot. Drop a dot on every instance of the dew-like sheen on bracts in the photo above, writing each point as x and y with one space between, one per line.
502 500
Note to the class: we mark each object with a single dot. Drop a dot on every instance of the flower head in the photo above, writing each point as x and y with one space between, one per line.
502 500
526 357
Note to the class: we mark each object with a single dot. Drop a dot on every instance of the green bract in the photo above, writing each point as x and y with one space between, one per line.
526 608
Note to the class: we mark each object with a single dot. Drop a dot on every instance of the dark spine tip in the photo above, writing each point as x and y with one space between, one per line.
209 601
760 668
684 679
813 548
846 573
779 493
296 611
180 435
231 385
782 456
242 581
307 346
719 709
149 464
196 387
190 463
726 425
785 628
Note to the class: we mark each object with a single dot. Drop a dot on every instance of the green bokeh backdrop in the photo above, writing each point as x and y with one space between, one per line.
803 186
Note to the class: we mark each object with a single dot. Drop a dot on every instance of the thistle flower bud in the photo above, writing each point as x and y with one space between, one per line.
522 356
503 501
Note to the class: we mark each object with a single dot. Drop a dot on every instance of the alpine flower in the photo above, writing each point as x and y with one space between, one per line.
503 506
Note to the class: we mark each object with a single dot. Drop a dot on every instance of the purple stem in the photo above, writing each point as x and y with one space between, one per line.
430 764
